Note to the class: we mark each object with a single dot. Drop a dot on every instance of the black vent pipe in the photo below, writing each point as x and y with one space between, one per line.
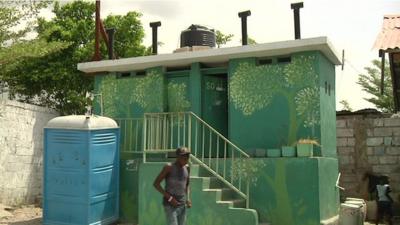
243 15
296 12
110 34
154 26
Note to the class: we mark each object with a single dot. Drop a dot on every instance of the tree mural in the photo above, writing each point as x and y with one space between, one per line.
177 101
252 88
119 95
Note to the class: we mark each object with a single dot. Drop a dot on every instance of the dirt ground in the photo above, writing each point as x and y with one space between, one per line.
31 215
27 215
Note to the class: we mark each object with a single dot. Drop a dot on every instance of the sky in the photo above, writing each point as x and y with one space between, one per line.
352 25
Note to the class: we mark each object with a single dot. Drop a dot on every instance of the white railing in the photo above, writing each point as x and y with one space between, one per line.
131 134
164 132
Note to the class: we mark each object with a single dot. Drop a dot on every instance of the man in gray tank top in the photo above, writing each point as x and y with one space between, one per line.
176 191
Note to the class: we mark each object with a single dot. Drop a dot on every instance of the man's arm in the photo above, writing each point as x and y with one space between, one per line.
157 184
189 201
388 190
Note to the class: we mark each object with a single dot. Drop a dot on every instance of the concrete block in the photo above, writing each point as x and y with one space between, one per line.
341 142
396 141
345 159
370 132
345 150
341 123
351 142
396 131
345 169
387 159
348 178
392 122
383 131
370 151
393 151
378 122
344 132
374 141
350 122
385 169
373 160
387 141
379 151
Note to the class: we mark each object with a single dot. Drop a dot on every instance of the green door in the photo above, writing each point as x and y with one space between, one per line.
215 108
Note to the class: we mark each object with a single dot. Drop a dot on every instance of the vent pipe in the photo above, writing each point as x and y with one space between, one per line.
110 34
243 15
154 26
296 12
96 56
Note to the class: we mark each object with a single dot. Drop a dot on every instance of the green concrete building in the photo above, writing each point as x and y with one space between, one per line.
234 107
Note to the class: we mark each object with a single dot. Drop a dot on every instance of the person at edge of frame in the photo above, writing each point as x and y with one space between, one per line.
384 200
176 192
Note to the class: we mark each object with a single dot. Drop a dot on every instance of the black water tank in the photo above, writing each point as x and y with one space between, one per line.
197 35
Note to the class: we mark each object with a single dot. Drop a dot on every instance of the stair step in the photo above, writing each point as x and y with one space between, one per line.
227 194
197 171
238 203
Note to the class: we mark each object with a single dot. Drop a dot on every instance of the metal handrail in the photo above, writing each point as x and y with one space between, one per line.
163 132
131 132
220 135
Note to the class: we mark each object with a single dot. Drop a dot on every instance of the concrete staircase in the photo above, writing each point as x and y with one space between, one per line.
225 199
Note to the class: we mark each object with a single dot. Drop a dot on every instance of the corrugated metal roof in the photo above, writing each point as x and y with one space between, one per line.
389 37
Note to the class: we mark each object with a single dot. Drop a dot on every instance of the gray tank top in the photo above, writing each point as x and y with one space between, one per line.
175 182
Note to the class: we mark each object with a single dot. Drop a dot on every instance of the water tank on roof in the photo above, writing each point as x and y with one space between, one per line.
197 35
81 171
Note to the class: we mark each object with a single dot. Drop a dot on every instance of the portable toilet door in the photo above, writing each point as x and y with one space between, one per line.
81 171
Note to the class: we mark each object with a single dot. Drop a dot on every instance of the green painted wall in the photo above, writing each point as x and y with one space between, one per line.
195 88
178 92
127 97
130 97
288 191
129 188
328 106
328 192
296 191
280 102
205 210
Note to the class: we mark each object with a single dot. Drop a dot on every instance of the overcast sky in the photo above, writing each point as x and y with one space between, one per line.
351 25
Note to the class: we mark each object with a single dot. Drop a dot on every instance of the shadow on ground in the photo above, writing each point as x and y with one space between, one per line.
37 221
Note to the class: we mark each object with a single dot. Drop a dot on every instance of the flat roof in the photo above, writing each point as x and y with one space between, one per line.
216 55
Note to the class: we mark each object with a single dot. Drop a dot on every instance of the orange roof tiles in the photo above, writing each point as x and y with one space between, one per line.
389 37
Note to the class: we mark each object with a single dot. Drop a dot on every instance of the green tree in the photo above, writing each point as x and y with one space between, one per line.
346 105
222 39
250 41
53 80
371 83
17 18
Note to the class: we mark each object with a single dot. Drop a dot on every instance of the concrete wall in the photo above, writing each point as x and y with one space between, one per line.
21 148
368 143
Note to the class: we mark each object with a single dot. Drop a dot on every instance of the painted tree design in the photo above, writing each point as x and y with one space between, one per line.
177 101
252 88
119 94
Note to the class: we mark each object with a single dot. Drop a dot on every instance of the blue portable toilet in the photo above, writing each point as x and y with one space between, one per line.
81 171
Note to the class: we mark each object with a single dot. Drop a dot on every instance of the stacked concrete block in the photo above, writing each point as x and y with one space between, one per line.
21 143
368 144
